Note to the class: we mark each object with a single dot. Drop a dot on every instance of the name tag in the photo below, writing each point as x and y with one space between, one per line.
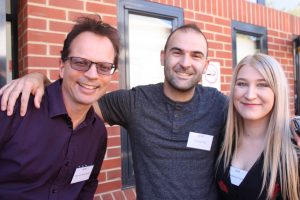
82 174
200 141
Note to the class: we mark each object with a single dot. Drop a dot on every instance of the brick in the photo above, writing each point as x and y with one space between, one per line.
114 174
54 74
114 152
36 23
38 1
209 6
46 12
60 26
202 6
215 45
214 7
100 8
177 3
222 54
189 14
111 1
223 22
55 50
38 36
102 176
42 62
70 4
197 5
113 86
36 49
130 194
111 163
113 130
96 198
220 7
273 46
109 186
113 141
222 38
111 20
119 195
213 28
205 18
107 196
226 71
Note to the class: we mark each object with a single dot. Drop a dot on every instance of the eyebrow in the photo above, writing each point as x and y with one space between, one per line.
179 49
258 80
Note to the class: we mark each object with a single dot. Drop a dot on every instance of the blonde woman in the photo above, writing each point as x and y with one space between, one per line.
258 159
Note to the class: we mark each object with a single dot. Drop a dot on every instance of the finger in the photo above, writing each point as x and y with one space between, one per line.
25 99
14 95
5 94
2 89
38 96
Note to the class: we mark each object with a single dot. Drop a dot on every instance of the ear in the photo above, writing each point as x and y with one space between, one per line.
162 57
205 66
61 68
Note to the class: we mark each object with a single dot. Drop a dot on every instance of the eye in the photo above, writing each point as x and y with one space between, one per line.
80 62
263 85
105 67
197 55
241 84
176 52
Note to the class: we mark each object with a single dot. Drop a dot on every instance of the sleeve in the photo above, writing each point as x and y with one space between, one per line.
116 107
90 186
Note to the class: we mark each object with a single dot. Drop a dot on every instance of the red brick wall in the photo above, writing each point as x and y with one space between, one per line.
43 25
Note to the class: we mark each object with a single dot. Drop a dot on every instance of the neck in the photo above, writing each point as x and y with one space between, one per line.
178 95
255 129
77 114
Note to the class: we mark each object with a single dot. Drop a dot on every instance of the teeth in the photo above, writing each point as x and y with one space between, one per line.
183 74
88 86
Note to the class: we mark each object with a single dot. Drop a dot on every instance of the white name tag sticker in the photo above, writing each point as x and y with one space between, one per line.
200 141
82 174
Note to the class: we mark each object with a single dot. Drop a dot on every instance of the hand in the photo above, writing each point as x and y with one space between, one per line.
297 139
30 83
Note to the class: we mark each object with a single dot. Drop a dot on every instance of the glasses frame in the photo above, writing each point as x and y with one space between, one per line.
97 64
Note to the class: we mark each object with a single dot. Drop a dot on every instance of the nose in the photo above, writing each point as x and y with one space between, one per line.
92 72
251 93
186 61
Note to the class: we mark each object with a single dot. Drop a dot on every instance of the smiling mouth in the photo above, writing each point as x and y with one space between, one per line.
90 87
185 74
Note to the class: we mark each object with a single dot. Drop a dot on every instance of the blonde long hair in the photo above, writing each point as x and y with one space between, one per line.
280 154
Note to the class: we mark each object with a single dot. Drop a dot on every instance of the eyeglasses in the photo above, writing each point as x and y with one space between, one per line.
82 64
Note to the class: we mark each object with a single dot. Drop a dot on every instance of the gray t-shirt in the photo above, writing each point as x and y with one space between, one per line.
165 168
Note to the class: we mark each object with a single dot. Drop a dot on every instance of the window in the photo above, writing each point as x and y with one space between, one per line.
144 27
292 6
296 44
8 37
247 39
257 1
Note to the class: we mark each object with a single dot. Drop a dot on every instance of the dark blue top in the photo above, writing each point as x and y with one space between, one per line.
40 152
164 167
250 187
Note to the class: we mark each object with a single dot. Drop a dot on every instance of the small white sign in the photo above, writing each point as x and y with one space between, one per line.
212 77
82 174
200 141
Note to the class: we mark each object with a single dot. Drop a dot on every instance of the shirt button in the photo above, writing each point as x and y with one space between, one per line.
67 164
54 191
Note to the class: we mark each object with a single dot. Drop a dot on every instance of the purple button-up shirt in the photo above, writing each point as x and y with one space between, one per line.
40 152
